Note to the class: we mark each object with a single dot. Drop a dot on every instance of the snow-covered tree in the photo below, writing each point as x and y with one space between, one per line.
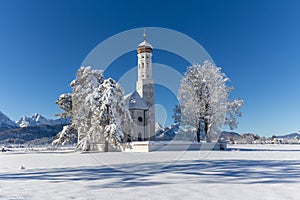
69 132
111 116
233 111
68 135
204 100
65 103
177 114
98 108
84 89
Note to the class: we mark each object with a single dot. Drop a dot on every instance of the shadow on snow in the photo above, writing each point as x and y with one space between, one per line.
149 174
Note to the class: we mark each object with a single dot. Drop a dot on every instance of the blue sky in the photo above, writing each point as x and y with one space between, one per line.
43 43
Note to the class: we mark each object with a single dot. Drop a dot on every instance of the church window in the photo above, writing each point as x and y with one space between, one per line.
143 65
140 119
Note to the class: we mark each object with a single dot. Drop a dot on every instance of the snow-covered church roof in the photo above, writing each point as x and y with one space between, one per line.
135 102
145 44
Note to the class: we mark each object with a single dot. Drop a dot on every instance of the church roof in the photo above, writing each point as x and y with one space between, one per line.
145 44
136 102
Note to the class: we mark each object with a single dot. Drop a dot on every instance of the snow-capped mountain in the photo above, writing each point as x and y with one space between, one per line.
34 120
37 120
290 136
5 122
168 133
35 129
158 127
37 135
230 135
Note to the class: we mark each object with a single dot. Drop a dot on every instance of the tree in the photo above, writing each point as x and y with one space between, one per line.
177 114
97 109
111 118
69 133
66 136
83 104
65 103
204 100
233 111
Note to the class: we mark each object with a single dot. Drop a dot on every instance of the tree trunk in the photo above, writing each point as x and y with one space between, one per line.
207 131
198 134
106 146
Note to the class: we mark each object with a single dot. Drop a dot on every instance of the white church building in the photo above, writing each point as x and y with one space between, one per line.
141 101
140 135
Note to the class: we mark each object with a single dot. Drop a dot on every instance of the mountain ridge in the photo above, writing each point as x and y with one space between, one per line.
25 121
37 120
6 123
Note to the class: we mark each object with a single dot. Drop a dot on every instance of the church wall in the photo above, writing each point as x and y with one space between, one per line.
138 117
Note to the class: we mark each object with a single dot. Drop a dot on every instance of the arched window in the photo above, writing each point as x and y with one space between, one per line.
140 137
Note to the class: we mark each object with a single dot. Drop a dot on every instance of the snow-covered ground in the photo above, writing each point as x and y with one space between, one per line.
242 172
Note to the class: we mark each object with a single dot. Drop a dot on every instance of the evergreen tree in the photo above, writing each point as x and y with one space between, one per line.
97 110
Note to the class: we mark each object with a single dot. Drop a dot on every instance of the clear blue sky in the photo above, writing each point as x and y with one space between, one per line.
257 44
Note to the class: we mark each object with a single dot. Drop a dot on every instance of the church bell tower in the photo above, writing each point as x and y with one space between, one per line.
145 84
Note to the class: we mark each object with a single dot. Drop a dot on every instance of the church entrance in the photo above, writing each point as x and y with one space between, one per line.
140 137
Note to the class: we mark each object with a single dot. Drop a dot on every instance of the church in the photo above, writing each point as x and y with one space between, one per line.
141 101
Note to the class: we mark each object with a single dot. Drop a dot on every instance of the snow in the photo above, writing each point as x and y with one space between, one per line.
5 121
204 100
37 120
135 101
159 127
145 44
98 109
242 172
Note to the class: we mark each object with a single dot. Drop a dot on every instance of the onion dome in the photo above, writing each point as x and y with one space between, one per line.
144 46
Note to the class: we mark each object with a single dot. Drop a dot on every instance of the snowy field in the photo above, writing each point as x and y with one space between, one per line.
243 172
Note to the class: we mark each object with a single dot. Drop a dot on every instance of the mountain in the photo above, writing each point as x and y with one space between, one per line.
37 120
290 136
175 132
158 127
35 129
6 123
230 135
35 135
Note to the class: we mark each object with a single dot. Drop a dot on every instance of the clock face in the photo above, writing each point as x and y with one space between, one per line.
132 100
